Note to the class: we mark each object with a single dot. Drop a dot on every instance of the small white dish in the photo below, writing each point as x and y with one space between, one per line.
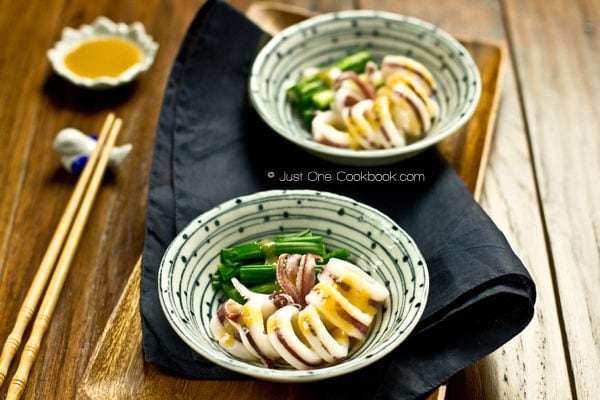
132 36
377 244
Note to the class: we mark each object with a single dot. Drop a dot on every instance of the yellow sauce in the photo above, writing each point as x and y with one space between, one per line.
103 57
227 339
350 286
267 247
332 310
251 315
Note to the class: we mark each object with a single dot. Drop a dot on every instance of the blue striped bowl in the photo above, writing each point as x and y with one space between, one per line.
321 40
378 245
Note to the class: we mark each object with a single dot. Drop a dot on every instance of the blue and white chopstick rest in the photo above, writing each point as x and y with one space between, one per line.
75 147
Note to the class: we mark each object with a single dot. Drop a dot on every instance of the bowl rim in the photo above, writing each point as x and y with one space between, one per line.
319 148
292 375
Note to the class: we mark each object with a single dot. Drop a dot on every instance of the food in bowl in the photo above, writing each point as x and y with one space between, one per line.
255 263
320 308
321 40
356 103
375 243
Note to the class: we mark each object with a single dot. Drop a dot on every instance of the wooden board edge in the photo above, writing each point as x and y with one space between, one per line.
502 48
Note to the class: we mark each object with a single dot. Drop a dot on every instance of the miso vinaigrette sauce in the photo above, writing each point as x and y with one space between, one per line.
103 57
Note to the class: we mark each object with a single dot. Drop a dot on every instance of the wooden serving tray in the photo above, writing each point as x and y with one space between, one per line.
117 370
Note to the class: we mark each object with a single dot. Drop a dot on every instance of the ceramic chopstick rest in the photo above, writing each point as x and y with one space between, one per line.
74 148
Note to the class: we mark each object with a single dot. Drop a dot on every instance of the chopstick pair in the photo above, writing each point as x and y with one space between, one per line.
64 244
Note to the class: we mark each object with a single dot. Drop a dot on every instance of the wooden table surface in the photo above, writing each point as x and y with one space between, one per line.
541 185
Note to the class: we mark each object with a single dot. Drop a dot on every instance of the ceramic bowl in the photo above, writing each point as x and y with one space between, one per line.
323 39
378 246
103 27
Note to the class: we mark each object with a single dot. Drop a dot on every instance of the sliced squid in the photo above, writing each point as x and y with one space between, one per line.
345 97
361 130
381 108
373 74
251 323
392 135
386 108
364 88
330 346
408 111
338 311
358 287
282 328
307 326
395 63
227 334
329 128
415 84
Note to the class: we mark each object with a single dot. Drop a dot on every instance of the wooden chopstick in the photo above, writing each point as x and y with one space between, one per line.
13 342
81 202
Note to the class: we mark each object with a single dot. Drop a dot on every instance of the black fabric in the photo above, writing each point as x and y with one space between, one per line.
211 146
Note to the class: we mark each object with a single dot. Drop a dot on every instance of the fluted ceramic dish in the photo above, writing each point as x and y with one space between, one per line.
103 27
321 40
378 245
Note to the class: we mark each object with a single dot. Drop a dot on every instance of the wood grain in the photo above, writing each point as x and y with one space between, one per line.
468 151
117 369
540 187
532 365
35 189
557 55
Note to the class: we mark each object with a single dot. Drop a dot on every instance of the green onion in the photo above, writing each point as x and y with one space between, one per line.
342 253
216 280
266 288
301 234
257 273
355 61
259 250
298 239
243 252
232 293
250 274
255 264
323 99
299 90
227 271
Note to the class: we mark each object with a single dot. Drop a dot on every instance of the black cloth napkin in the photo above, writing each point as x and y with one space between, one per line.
211 146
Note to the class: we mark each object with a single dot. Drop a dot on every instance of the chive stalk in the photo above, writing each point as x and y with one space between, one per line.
266 288
341 253
250 274
259 250
255 264
355 61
